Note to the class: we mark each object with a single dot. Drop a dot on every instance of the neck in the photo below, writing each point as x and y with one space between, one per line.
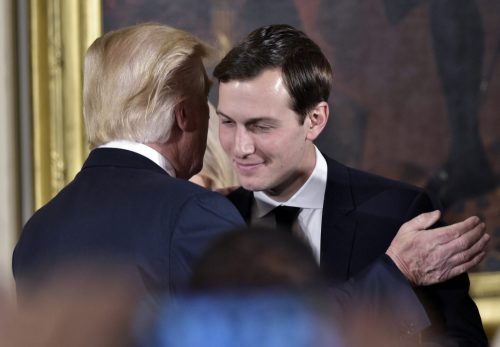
160 148
164 151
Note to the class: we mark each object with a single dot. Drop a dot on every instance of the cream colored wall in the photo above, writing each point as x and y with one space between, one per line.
8 176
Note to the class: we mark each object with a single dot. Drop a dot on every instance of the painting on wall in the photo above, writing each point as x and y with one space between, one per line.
414 85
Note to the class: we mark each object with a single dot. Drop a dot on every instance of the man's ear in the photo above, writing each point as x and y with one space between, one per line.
316 120
181 117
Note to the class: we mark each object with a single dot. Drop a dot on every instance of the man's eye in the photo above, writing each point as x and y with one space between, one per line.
261 127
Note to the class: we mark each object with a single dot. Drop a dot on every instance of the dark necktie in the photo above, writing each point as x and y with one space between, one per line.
285 216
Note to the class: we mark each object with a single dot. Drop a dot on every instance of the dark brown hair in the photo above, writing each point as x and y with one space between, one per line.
306 71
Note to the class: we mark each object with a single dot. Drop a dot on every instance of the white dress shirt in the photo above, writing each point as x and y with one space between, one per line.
143 150
309 198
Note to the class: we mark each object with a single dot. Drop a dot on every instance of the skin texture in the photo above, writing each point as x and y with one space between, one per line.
269 149
432 257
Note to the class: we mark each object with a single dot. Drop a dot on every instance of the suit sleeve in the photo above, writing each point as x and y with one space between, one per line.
454 315
383 294
201 220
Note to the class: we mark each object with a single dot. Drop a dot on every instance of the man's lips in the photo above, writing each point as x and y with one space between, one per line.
247 167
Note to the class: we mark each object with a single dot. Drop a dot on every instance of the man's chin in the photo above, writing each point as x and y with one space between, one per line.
252 186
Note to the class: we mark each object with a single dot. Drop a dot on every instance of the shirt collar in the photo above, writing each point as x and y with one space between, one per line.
143 150
311 195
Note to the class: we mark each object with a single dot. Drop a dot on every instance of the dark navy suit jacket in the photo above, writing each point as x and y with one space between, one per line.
361 215
123 206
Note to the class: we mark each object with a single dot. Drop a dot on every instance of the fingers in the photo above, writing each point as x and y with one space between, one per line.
447 272
423 220
457 229
433 256
462 237
470 251
462 268
454 232
459 262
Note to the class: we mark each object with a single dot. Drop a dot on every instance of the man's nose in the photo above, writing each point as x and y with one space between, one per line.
243 143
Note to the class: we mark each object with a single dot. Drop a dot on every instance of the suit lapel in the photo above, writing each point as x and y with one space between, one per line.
338 223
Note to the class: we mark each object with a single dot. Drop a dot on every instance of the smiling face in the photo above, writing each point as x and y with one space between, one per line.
270 150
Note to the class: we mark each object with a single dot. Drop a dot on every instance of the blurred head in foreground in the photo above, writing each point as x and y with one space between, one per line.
252 283
251 288
266 319
81 305
257 257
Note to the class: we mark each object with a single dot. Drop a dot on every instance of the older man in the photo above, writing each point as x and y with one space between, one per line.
131 203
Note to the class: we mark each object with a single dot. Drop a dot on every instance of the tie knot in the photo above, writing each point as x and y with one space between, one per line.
285 216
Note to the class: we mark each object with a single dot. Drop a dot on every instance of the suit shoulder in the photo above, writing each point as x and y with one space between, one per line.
169 188
375 183
204 200
376 193
371 192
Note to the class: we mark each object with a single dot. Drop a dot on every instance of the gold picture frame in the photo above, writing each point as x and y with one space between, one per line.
485 290
61 30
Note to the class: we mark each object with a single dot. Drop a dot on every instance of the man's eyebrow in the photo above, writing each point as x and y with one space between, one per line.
263 119
251 120
219 113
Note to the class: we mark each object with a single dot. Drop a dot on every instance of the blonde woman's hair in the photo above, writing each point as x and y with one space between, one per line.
216 165
135 77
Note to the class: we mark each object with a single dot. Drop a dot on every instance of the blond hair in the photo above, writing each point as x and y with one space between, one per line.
216 165
135 77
